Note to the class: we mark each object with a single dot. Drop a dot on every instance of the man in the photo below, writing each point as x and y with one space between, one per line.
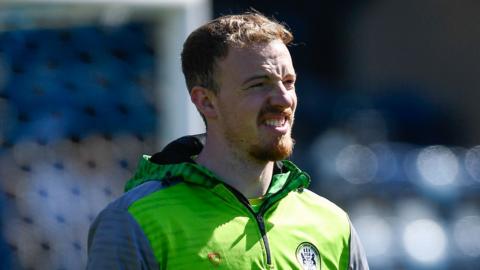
228 200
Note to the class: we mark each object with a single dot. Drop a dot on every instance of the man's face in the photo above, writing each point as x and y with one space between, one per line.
256 101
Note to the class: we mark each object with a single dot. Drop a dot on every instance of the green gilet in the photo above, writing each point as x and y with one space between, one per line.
198 222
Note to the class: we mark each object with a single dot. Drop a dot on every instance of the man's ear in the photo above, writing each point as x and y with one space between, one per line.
203 99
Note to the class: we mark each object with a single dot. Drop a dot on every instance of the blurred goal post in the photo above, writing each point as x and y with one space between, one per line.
173 20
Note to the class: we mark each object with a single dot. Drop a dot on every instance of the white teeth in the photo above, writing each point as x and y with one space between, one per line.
275 123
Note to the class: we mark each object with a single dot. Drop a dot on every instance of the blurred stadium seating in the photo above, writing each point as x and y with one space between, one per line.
76 114
80 102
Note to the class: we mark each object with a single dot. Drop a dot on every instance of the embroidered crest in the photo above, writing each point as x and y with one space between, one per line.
308 256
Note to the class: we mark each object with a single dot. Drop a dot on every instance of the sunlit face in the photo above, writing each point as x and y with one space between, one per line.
256 101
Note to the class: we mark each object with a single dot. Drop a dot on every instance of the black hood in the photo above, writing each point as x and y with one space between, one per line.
180 150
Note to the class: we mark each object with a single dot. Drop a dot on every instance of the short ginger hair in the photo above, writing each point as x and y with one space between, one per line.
211 41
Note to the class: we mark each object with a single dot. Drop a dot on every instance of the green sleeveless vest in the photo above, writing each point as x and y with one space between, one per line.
198 222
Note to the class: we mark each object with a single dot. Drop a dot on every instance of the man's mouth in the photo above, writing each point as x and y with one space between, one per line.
276 122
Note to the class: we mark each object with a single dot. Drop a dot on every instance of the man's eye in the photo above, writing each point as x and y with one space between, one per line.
260 84
289 84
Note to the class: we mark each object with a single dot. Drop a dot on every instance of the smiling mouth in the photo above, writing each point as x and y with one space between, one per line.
276 122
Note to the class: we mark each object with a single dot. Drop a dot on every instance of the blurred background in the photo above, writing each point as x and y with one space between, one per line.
387 123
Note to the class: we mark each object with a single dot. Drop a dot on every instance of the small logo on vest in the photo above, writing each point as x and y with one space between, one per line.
214 258
308 256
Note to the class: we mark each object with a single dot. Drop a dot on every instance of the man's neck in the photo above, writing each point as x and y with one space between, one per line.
250 177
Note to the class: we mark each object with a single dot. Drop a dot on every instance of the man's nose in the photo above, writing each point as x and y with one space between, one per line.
282 97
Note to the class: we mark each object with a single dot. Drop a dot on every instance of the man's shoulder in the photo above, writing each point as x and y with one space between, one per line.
136 194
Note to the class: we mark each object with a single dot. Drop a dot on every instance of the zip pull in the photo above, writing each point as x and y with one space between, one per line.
261 223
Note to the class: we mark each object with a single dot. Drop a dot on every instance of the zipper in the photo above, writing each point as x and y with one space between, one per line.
265 205
258 218
263 231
